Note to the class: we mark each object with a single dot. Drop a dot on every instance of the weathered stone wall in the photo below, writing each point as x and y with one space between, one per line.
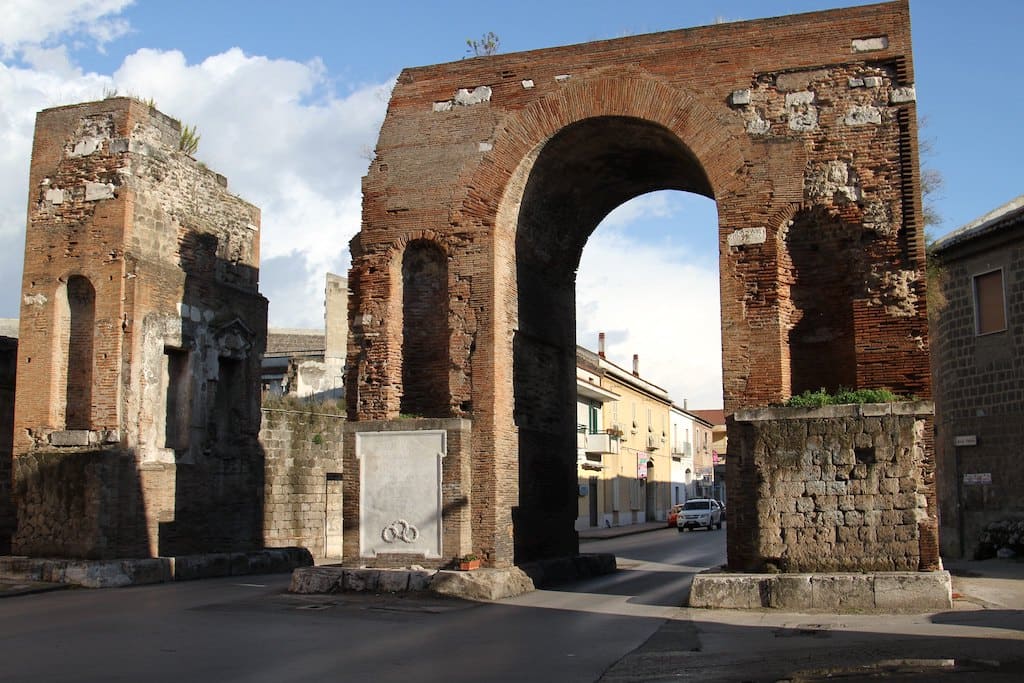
978 381
839 488
8 366
141 334
303 480
803 130
87 504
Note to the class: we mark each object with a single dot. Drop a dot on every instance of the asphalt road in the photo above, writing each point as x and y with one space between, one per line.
253 630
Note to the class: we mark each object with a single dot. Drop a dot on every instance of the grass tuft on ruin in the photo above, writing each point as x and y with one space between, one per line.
822 397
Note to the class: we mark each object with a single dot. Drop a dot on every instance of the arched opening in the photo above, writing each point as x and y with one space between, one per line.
821 254
81 316
579 176
648 284
425 362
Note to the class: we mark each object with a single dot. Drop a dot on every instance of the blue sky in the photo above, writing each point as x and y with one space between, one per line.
289 98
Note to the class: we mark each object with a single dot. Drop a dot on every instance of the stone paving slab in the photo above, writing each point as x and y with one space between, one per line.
480 584
837 593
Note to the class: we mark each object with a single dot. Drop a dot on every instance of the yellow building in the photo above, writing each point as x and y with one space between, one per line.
623 453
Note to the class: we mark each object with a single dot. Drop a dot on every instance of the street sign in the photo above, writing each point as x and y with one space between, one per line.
977 478
966 440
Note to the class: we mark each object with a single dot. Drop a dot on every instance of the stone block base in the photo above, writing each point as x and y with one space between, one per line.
479 584
134 572
867 592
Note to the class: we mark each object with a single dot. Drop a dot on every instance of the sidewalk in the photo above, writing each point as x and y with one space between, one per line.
987 584
616 531
977 584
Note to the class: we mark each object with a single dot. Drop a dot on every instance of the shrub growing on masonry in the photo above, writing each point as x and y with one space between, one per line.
821 397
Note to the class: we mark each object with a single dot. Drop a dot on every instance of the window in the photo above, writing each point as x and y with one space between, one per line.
989 306
81 322
228 404
175 377
593 415
425 361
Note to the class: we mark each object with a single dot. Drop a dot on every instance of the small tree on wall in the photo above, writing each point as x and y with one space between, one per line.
486 46
931 185
189 140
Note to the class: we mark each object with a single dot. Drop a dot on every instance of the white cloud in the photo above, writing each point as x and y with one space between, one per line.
293 146
31 22
23 92
656 301
288 144
652 205
276 129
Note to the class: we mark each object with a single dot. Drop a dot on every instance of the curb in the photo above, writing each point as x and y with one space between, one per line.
141 571
13 590
616 533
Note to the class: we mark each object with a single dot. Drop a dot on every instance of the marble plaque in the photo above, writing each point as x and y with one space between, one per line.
400 492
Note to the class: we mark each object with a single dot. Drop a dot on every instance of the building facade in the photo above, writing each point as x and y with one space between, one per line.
597 444
693 475
978 373
715 419
308 363
628 427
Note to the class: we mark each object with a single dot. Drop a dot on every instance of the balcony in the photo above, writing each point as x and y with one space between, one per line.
599 442
685 449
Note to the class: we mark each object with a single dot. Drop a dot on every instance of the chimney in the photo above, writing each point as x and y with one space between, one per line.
684 405
600 344
636 365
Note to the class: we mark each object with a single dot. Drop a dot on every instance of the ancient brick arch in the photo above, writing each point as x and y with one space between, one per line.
795 126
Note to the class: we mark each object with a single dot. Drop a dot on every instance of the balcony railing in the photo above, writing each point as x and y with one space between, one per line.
685 449
596 442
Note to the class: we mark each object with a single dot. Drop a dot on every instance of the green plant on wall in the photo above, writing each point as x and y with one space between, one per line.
318 439
821 397
189 140
485 47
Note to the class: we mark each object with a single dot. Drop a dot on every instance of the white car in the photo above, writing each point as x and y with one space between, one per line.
700 512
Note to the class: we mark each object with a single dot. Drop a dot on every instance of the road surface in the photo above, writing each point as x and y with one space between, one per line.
251 629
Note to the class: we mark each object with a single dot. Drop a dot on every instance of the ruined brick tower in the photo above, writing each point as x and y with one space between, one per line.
490 175
141 331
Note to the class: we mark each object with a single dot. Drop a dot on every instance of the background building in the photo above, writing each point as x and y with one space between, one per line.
310 363
691 436
978 367
715 419
634 482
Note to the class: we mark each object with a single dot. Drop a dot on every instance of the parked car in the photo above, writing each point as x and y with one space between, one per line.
673 513
700 512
